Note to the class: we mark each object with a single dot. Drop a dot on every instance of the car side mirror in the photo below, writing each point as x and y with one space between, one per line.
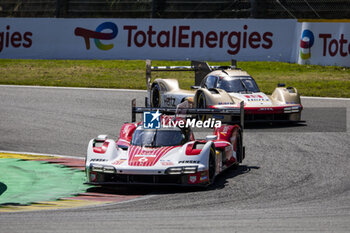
195 87
211 138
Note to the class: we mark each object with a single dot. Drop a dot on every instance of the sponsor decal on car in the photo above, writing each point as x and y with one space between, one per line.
145 155
255 98
143 160
98 160
189 161
265 109
225 103
192 179
119 162
169 101
167 163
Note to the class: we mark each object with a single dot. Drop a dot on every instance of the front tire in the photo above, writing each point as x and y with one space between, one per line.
239 150
155 96
212 166
201 103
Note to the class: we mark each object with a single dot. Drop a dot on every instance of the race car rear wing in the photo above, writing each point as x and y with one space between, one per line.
237 112
201 69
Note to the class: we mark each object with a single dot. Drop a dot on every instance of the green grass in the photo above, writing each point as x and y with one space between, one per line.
310 80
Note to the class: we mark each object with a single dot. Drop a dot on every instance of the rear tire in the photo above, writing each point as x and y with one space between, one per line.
155 96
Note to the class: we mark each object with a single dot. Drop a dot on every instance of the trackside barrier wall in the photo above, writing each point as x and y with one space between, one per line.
323 43
284 40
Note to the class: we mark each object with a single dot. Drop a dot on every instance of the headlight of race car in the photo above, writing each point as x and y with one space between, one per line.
104 169
181 170
190 170
293 109
108 169
96 168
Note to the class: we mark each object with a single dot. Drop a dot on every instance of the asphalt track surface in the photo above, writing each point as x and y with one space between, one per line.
292 180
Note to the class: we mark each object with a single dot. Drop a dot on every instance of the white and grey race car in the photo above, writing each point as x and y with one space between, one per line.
164 156
223 87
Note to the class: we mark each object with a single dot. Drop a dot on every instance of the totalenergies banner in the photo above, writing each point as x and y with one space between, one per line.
170 39
323 43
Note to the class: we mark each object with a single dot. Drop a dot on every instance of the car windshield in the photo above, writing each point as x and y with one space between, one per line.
158 137
238 84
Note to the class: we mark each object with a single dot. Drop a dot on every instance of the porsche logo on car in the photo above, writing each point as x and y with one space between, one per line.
143 160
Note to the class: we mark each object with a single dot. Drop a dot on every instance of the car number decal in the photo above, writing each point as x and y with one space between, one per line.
169 101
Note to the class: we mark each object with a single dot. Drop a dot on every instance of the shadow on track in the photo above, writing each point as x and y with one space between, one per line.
220 183
121 190
221 179
274 126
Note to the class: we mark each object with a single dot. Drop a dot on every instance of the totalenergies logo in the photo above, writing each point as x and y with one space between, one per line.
306 42
98 35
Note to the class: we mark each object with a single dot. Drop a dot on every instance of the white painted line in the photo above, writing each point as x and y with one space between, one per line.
75 88
141 198
135 199
39 154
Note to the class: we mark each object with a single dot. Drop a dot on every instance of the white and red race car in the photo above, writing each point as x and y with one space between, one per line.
164 156
223 87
